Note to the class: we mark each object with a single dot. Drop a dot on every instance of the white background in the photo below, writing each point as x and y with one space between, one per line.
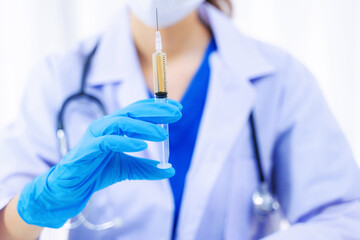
323 34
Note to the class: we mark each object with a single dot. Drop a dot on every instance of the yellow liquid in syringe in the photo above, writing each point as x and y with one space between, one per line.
159 70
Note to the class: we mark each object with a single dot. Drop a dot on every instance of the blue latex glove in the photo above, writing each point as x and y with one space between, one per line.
97 162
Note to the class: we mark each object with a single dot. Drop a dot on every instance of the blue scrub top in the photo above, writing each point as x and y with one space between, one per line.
184 132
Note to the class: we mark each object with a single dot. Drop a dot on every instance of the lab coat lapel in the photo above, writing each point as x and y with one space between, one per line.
230 100
227 110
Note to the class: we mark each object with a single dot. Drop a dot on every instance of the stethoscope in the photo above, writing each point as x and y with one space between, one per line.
81 218
264 202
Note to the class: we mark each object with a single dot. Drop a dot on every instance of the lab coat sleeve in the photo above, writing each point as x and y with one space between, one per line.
315 178
28 146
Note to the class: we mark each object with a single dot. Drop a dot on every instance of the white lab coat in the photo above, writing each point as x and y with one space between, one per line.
305 156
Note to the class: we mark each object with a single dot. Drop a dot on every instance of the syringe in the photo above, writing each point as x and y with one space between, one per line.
160 90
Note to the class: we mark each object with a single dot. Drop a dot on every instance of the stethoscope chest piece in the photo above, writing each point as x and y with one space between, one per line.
264 202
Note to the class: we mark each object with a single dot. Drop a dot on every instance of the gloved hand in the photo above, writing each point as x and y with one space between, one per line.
98 161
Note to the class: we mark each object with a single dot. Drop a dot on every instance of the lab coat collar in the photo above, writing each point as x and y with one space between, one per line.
240 53
116 59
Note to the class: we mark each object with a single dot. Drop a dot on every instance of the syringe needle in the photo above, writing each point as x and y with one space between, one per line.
157 20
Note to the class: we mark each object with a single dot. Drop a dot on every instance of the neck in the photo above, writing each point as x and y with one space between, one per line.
188 36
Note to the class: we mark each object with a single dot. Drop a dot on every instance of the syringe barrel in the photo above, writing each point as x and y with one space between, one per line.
159 70
165 151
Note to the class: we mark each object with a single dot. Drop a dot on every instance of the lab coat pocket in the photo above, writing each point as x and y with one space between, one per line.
229 210
240 220
242 184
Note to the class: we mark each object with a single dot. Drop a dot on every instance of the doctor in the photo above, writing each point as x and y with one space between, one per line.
220 77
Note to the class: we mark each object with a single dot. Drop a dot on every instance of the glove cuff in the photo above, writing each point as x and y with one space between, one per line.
33 205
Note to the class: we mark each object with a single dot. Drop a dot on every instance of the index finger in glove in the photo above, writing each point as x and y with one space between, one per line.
126 167
130 127
151 111
170 101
